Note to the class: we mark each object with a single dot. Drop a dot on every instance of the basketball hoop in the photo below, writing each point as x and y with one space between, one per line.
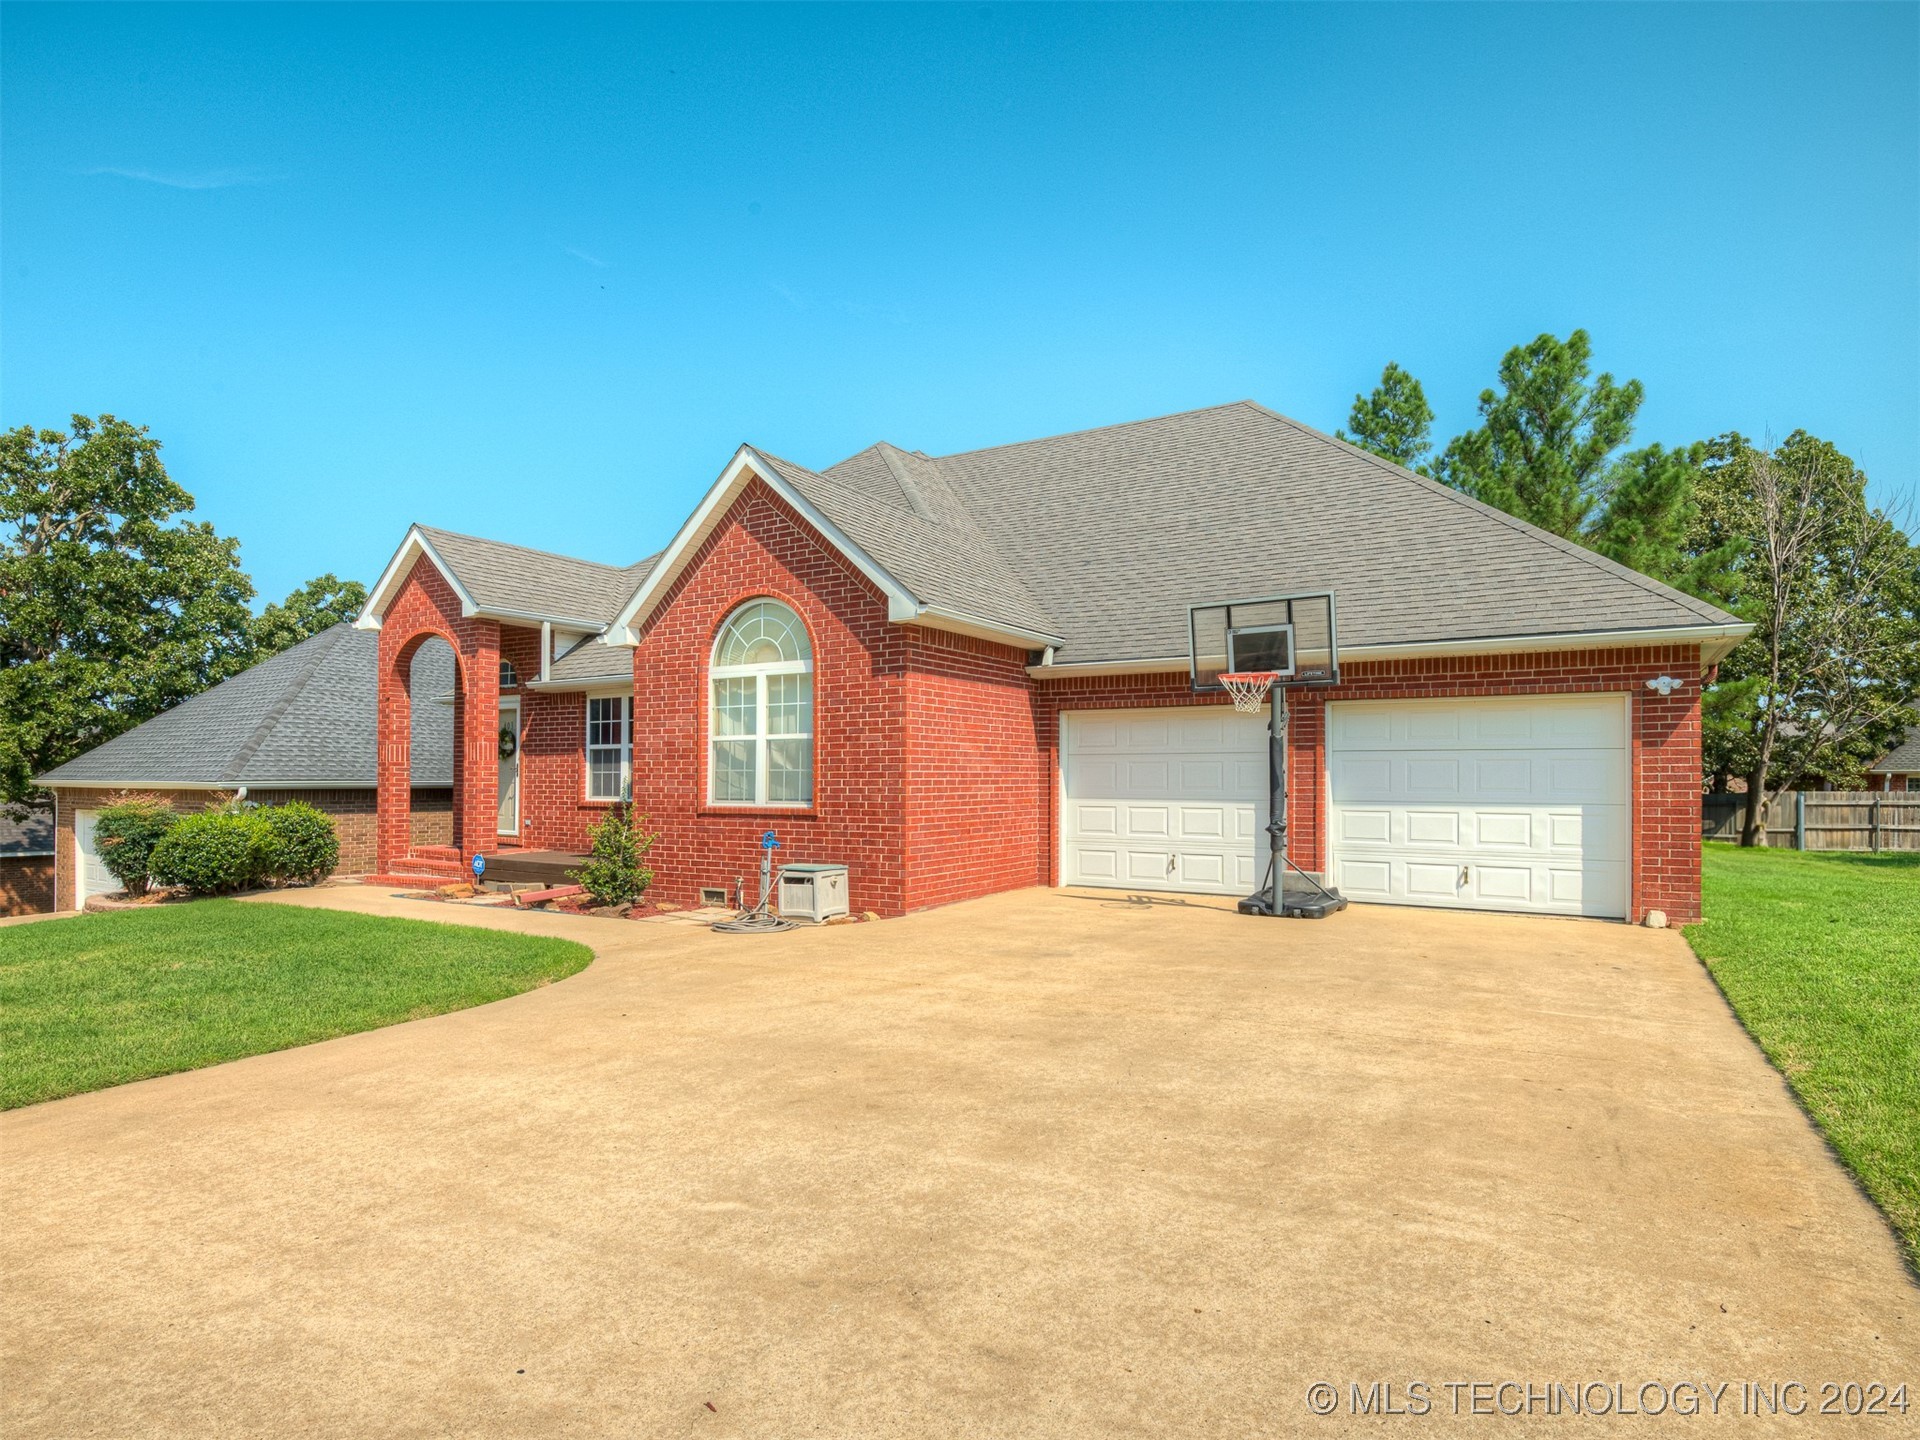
1248 687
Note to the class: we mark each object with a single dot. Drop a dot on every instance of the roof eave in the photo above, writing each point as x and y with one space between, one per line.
1716 642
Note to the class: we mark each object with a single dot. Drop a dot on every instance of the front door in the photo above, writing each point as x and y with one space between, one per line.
509 823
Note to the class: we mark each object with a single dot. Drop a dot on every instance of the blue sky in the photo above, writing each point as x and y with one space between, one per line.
534 273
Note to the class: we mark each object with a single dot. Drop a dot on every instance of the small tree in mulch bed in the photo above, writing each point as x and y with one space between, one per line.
616 872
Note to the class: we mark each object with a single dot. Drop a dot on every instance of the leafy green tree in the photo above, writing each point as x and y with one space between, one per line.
1545 437
1394 422
126 832
112 608
1831 585
318 605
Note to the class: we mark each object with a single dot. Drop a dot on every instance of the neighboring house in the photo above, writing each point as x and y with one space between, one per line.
26 863
966 674
299 725
1898 769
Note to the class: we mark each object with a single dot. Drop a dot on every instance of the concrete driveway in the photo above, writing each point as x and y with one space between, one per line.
1044 1164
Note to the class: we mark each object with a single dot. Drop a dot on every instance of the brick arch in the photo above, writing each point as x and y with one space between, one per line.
425 608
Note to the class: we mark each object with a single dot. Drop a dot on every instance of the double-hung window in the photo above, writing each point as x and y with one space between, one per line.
760 719
609 747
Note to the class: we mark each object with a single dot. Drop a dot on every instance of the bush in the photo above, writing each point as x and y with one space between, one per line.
212 853
615 872
126 832
298 846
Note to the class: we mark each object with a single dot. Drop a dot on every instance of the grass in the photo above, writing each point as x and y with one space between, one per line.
103 999
1819 954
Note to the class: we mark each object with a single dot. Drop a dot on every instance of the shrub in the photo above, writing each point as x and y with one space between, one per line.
298 846
616 872
126 833
211 853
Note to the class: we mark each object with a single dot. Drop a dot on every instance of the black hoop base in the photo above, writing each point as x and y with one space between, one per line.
1296 904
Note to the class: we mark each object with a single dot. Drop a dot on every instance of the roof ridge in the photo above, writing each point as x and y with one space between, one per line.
526 549
1095 429
1706 611
909 487
269 722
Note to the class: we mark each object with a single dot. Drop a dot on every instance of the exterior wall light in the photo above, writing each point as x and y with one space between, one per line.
1665 684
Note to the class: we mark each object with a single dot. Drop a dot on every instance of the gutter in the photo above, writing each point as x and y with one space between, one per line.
1715 642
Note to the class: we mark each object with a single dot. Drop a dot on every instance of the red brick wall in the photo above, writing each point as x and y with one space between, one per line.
26 884
1665 744
426 606
762 548
554 810
976 771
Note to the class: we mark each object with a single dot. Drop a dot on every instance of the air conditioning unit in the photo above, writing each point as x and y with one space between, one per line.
813 892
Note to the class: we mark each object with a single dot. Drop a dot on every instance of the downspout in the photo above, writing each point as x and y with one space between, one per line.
546 650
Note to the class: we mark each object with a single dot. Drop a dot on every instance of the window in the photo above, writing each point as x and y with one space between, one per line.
610 747
508 680
761 720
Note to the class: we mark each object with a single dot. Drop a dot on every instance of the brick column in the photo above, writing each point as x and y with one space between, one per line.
394 752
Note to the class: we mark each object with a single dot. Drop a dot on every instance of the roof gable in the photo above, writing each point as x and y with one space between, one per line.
509 582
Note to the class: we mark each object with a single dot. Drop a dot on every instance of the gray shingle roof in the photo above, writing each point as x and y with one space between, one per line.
593 661
32 834
934 548
304 717
1904 759
535 582
1117 531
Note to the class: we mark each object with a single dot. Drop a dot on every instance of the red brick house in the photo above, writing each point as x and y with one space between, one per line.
968 674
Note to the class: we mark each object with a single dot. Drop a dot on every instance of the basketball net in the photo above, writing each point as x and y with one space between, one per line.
1248 687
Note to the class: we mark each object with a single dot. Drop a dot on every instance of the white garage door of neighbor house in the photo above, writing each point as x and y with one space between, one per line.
91 878
1509 804
1163 799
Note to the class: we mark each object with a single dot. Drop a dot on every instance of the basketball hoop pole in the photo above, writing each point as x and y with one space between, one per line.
1277 718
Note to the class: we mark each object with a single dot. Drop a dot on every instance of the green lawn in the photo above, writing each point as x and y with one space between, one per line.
103 999
1820 957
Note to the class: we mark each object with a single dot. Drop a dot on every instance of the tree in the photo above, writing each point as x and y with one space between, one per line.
1542 448
319 604
111 607
1832 588
616 872
1649 520
1394 422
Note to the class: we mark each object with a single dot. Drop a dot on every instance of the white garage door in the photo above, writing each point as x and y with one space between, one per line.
1512 804
93 877
1163 799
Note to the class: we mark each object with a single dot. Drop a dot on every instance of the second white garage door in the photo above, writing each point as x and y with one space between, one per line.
1163 799
1510 804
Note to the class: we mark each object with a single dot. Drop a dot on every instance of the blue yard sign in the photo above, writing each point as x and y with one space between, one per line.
479 866
769 841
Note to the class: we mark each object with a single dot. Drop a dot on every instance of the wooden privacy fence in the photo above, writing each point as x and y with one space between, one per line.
1822 819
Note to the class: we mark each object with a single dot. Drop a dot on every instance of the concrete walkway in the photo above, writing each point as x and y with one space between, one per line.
1041 1165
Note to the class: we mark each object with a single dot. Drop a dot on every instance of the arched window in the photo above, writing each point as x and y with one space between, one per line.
761 722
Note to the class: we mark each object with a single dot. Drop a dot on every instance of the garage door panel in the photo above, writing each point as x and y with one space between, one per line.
1166 800
1526 811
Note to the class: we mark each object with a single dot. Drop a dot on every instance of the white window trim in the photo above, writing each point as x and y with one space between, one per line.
626 749
762 741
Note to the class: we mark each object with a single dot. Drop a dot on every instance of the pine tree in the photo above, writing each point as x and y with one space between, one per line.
1394 422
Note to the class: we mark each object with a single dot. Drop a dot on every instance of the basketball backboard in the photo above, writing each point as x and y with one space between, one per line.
1295 637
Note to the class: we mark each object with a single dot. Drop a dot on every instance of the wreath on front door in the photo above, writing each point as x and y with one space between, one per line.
509 742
